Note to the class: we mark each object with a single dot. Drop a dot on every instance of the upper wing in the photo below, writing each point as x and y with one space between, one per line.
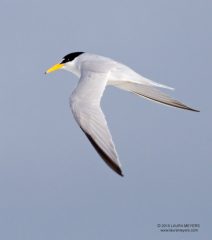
152 93
85 105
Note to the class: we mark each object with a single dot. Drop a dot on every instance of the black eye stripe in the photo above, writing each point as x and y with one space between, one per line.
71 56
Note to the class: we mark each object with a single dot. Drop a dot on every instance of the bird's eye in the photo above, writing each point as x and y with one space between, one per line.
64 60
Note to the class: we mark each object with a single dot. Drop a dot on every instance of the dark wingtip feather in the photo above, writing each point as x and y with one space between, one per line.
193 110
183 106
104 156
119 171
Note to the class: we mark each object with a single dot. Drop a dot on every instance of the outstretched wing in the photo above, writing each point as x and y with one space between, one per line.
152 93
85 105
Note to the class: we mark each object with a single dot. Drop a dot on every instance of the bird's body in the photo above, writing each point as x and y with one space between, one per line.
95 73
118 72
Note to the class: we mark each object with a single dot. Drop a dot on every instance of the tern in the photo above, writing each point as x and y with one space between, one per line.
95 73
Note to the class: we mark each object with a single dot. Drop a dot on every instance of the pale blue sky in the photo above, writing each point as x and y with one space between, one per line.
53 185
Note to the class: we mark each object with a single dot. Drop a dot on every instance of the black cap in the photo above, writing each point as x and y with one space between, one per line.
71 56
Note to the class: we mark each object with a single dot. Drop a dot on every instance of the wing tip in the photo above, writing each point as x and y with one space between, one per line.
194 110
191 109
118 171
110 162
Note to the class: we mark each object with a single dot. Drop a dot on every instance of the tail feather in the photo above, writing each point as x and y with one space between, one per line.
146 81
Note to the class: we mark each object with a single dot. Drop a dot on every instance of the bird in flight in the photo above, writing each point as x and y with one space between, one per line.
95 73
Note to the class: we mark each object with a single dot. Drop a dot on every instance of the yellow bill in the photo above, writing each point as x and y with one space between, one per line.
55 67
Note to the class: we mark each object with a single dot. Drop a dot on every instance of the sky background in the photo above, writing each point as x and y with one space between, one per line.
53 185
